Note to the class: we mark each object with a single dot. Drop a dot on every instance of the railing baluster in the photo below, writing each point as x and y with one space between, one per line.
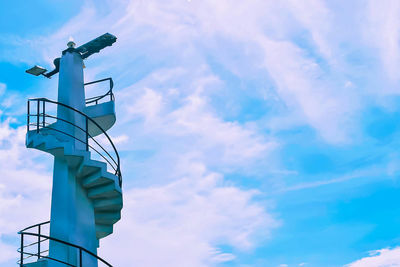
29 115
21 263
39 235
44 116
87 135
39 232
96 99
37 116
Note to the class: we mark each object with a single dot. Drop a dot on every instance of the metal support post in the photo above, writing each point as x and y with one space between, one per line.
28 116
39 232
21 260
37 116
44 113
87 135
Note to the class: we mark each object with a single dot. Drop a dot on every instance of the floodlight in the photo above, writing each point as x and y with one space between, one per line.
36 70
96 45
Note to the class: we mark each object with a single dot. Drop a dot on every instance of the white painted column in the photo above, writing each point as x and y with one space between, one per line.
72 213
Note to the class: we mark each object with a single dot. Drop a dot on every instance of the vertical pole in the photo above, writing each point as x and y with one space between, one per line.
44 115
111 87
87 135
21 260
80 257
39 232
37 116
28 115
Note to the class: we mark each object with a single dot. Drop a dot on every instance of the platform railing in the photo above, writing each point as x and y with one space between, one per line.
39 254
41 120
109 93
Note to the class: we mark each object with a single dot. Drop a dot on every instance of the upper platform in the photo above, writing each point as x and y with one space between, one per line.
101 109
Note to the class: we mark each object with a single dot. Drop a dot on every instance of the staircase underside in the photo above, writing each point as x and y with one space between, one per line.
103 114
102 187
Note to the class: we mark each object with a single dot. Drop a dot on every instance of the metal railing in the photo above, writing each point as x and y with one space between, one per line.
109 93
41 122
44 254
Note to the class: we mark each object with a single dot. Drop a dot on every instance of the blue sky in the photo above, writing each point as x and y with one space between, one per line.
252 133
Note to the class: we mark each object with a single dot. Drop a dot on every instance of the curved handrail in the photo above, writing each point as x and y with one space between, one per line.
21 249
36 225
117 162
80 140
96 99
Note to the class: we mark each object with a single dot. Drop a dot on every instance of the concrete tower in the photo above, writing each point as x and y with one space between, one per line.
86 196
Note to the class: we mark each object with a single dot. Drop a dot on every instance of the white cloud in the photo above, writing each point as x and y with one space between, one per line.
185 33
325 107
185 210
148 105
165 106
318 20
188 131
382 32
3 87
25 183
379 258
7 252
309 91
358 174
120 139
182 223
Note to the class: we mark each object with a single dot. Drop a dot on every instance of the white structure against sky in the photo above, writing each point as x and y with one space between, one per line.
86 196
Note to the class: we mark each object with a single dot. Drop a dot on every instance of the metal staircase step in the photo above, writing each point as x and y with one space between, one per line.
75 157
29 139
73 160
57 152
89 167
109 204
103 230
108 218
39 143
45 143
104 191
99 178
55 148
40 263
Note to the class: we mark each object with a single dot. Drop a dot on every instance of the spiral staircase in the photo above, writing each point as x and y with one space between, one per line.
97 166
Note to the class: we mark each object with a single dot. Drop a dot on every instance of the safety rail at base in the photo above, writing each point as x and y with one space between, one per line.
42 238
40 123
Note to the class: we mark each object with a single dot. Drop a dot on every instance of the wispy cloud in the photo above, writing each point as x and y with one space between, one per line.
25 182
360 174
379 258
184 222
382 32
206 89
